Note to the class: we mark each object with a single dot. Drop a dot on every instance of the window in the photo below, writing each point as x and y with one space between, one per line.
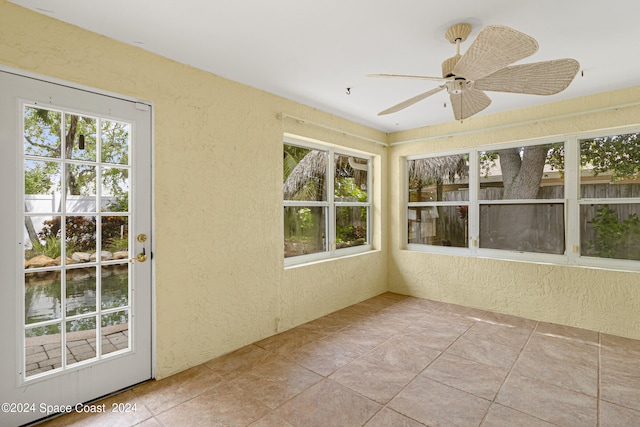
572 201
439 200
521 199
610 197
327 205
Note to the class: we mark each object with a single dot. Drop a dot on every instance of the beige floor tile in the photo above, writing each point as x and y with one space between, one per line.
275 382
501 416
400 361
161 395
435 404
420 304
151 422
328 324
407 315
506 335
554 330
404 353
445 320
393 296
326 356
437 332
509 320
620 378
376 303
328 403
223 405
372 378
470 313
291 340
546 401
566 363
620 344
484 351
616 416
361 338
466 375
368 307
388 418
238 362
271 420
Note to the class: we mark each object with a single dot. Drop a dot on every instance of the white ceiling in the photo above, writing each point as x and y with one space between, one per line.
312 51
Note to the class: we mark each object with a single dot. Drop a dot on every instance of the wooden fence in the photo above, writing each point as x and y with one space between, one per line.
545 234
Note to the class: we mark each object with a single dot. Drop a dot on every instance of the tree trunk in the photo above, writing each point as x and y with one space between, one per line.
70 137
521 180
31 231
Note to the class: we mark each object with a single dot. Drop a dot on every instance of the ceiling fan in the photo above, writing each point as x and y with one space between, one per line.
485 67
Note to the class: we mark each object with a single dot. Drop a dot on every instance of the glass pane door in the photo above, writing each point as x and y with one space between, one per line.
76 239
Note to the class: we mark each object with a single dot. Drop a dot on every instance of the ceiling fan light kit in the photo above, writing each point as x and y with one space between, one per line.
485 66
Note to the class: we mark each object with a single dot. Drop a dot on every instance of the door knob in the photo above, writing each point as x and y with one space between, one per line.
142 257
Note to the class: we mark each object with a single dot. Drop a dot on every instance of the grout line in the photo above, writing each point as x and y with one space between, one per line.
515 362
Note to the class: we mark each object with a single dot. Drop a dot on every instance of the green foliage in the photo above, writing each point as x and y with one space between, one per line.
51 247
305 219
39 177
292 154
346 188
119 204
351 233
554 159
615 238
618 154
81 234
44 134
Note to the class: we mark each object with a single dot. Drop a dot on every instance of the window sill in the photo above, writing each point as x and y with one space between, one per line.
336 256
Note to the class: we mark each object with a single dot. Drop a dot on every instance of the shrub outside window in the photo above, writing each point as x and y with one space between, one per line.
326 202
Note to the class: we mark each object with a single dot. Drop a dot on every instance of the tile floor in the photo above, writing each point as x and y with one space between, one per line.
400 361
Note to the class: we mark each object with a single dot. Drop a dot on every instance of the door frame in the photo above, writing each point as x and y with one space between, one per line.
144 104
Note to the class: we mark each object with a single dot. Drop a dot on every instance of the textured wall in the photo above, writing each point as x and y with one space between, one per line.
220 277
595 299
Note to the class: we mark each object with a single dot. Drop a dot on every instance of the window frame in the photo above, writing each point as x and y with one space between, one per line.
512 253
331 252
450 250
576 255
571 201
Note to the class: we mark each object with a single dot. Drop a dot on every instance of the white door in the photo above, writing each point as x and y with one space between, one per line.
75 200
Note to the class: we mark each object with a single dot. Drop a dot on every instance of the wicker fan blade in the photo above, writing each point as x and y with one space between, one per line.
408 76
538 78
495 47
468 102
409 102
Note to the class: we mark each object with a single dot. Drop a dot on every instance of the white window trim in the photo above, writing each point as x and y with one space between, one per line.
332 252
571 203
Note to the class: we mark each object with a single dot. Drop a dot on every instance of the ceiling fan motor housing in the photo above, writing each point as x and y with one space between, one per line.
449 64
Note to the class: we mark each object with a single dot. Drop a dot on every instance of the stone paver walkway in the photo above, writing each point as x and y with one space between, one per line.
44 353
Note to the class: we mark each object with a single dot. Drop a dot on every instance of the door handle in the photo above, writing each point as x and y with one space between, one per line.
142 257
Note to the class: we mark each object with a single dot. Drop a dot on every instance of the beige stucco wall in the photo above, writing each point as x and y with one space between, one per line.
220 277
596 299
